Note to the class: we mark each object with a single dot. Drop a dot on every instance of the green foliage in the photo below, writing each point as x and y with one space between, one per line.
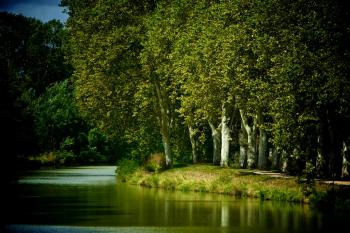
105 59
65 153
336 198
31 59
60 127
126 167
110 87
56 116
146 74
97 147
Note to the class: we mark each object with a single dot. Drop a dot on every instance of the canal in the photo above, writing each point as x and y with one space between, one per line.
90 199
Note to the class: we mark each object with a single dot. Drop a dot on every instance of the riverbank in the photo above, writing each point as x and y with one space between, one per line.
235 182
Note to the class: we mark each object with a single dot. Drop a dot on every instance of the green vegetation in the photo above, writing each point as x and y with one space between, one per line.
238 183
213 179
260 84
41 124
126 167
250 84
155 163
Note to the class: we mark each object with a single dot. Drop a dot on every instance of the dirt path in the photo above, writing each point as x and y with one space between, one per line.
282 175
336 182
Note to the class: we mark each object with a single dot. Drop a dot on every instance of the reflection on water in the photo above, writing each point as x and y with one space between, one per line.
72 176
91 196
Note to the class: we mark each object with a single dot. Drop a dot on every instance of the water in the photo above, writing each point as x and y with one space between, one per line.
90 199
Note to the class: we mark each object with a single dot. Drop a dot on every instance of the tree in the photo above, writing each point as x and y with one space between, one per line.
295 56
105 44
269 77
31 58
202 56
163 27
56 116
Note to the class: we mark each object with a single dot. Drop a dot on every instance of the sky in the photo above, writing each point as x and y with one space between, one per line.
43 10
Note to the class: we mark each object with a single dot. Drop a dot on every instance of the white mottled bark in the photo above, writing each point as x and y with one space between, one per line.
216 143
164 124
250 130
194 144
225 137
243 148
346 162
242 156
167 151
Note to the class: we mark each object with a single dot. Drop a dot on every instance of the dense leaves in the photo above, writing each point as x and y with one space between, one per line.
31 58
268 78
260 83
38 112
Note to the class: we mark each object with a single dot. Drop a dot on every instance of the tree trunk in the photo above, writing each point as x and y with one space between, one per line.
263 149
235 131
216 143
167 151
243 147
252 158
275 159
346 160
164 124
250 131
225 137
335 145
263 143
243 156
194 144
322 157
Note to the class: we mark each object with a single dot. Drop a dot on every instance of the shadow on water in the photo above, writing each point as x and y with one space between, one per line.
90 199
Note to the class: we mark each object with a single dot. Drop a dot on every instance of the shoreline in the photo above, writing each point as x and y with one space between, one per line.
242 183
228 181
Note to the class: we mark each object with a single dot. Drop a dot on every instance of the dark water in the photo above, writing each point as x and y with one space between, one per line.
89 199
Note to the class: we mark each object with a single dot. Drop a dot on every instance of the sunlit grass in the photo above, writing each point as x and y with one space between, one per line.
213 179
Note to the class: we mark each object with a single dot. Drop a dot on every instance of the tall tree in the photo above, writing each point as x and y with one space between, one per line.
31 58
105 44
294 58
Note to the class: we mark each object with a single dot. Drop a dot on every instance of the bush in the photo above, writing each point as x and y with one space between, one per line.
155 162
126 167
51 159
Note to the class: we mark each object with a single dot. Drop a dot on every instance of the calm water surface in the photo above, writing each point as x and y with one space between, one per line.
90 199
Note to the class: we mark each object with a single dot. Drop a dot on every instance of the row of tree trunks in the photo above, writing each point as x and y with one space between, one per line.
254 151
250 155
332 150
330 155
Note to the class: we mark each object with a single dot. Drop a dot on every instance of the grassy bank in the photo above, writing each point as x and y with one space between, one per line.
235 182
240 183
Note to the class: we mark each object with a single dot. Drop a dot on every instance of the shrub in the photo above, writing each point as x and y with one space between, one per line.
167 183
126 167
185 186
155 162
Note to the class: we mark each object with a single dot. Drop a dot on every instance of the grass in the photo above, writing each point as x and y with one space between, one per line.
242 183
213 179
